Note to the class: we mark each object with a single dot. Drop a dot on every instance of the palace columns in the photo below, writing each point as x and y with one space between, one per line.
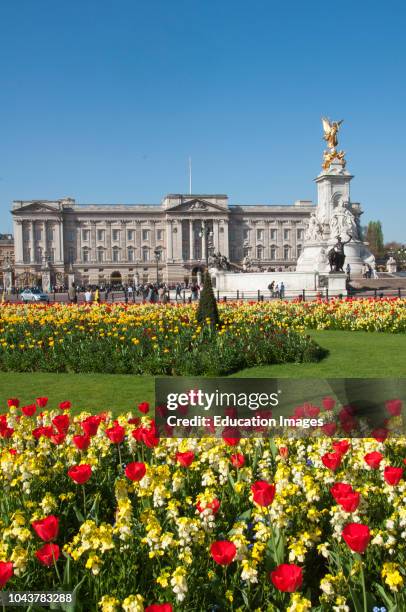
204 238
169 238
19 252
108 241
93 241
190 239
123 241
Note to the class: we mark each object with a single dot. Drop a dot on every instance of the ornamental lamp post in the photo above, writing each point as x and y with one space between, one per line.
157 254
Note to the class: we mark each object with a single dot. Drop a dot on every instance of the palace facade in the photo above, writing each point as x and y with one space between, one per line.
103 244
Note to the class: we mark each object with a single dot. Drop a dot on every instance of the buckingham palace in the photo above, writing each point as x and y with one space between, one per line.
137 243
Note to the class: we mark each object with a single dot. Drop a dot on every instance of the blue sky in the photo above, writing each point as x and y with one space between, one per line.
105 100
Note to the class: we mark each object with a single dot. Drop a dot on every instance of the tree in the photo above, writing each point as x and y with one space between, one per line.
207 308
374 235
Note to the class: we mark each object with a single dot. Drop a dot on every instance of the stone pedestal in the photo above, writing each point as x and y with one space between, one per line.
336 283
71 279
334 214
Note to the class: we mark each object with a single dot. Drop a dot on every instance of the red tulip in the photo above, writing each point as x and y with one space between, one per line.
214 506
394 407
166 607
61 423
332 460
373 459
380 434
65 405
82 442
143 407
263 493
349 502
44 431
329 429
340 489
237 460
231 436
28 410
287 577
47 554
392 475
90 425
134 421
283 452
341 446
6 572
349 425
13 401
223 552
6 432
356 536
41 402
311 411
116 434
135 471
80 473
46 528
58 438
148 435
185 459
328 403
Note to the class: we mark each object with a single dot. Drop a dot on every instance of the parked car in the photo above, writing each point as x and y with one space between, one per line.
34 295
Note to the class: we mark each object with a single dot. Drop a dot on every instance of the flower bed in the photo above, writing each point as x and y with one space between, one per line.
145 340
136 523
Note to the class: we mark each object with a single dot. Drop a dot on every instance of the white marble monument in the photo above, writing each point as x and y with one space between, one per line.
335 215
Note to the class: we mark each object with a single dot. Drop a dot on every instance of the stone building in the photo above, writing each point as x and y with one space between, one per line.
103 244
6 253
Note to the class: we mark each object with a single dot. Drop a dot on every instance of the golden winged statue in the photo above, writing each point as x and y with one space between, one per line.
331 129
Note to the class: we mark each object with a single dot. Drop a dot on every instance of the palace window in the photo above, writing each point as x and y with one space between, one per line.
246 234
274 234
70 235
145 234
116 235
145 254
100 235
27 255
85 235
273 252
246 251
38 255
116 254
260 252
286 234
100 254
50 234
52 255
299 250
260 235
159 234
300 234
85 255
71 255
38 233
286 251
130 254
130 234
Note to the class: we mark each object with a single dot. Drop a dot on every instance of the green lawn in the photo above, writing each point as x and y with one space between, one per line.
352 354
